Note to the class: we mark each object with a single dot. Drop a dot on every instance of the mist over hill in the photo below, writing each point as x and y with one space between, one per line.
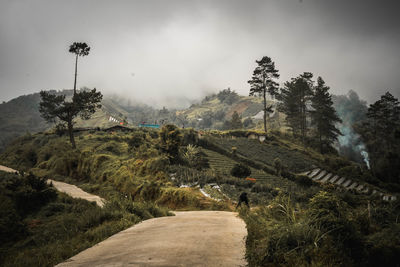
20 116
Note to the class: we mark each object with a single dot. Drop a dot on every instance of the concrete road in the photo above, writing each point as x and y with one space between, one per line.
69 189
192 238
6 169
76 192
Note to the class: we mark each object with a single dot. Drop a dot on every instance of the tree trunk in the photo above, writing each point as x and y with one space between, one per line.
76 71
303 118
71 134
320 142
265 111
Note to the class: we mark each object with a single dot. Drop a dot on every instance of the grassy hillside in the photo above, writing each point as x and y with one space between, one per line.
126 169
21 114
40 227
214 110
295 221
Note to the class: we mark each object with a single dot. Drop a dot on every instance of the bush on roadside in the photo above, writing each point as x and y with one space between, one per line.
240 170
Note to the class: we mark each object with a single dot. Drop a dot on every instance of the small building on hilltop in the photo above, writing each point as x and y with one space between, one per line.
119 128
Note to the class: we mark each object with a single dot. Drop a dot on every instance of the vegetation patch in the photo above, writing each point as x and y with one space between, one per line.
324 231
40 227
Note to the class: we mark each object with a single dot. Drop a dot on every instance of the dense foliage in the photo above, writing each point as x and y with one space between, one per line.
323 116
381 134
55 108
295 98
39 227
326 230
240 170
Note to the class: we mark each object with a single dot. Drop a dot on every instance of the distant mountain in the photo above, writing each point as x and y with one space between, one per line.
21 115
214 110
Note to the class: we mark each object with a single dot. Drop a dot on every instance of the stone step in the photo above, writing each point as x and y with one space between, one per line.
314 172
347 183
366 190
340 181
359 187
319 176
352 186
334 179
326 178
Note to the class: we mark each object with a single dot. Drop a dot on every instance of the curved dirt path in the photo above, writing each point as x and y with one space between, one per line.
69 189
6 169
76 192
192 238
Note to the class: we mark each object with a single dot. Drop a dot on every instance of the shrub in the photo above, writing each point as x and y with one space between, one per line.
278 166
195 158
304 180
190 137
170 140
11 225
136 140
154 165
148 191
385 247
174 198
240 170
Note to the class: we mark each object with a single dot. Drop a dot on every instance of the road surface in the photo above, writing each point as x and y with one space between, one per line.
192 238
69 189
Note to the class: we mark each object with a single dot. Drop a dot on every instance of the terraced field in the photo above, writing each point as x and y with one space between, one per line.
266 153
223 165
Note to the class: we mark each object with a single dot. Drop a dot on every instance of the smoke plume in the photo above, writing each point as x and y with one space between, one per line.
351 109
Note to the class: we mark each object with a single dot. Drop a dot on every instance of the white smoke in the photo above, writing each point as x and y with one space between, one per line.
351 139
364 154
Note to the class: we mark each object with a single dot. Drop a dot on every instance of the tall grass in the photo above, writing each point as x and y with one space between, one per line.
326 232
60 227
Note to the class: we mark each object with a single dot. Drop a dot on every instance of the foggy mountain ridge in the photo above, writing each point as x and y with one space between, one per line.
20 115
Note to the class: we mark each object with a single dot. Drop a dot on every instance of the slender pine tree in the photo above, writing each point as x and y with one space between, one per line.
323 115
263 82
380 131
294 103
79 49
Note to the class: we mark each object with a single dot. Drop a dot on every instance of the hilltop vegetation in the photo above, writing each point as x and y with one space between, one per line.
298 221
142 173
329 229
40 227
21 115
127 169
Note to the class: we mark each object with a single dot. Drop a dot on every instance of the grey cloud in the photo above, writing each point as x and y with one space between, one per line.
182 49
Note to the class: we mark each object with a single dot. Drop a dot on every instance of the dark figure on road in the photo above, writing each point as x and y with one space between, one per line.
243 199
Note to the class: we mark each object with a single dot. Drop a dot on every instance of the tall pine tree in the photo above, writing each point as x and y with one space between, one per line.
263 82
295 99
236 122
323 115
381 134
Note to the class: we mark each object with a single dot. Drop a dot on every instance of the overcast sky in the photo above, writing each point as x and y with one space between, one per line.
168 52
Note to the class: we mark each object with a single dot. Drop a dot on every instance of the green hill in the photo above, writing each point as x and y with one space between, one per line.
144 172
21 115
